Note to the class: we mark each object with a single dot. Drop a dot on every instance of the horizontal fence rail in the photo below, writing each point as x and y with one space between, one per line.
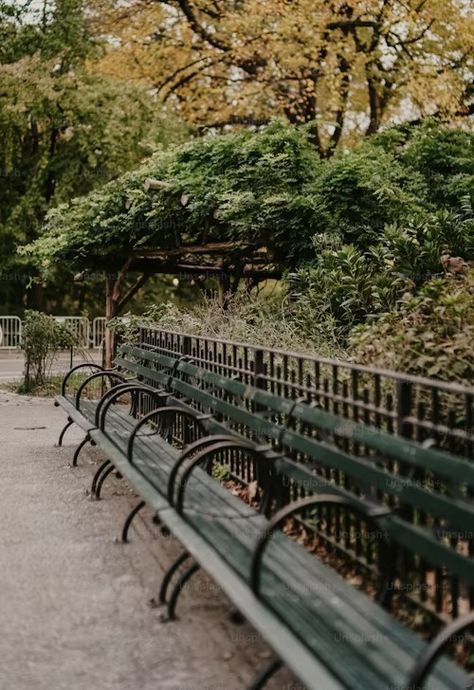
431 412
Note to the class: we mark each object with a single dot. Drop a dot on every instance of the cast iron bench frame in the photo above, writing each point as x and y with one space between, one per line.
172 396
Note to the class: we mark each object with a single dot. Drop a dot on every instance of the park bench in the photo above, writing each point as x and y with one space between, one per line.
183 422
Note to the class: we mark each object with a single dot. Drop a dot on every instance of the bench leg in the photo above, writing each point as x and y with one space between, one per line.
187 575
102 479
264 676
163 596
61 435
129 520
79 448
236 617
96 478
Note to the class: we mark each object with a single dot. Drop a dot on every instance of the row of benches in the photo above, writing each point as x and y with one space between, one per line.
185 427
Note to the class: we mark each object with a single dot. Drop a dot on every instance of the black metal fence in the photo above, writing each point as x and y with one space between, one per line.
431 412
410 406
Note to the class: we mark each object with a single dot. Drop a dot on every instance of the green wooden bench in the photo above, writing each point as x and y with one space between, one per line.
328 633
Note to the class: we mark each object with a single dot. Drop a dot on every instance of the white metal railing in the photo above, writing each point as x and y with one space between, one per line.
79 327
10 332
98 331
86 335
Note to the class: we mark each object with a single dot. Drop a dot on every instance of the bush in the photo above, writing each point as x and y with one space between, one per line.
430 333
443 156
246 186
346 285
357 194
42 339
343 288
267 321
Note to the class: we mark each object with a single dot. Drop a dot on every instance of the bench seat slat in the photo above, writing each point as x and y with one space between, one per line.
207 495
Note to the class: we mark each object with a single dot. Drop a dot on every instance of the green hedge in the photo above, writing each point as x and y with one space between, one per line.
269 187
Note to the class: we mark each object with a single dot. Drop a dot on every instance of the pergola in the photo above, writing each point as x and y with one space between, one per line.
229 262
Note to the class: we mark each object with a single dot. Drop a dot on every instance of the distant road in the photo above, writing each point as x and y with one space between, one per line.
11 363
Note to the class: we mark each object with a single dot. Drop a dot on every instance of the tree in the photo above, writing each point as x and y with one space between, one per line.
64 131
346 66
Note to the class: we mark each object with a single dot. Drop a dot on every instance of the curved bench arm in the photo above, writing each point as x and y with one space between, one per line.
74 369
127 388
199 443
427 660
107 373
235 444
111 391
295 507
158 412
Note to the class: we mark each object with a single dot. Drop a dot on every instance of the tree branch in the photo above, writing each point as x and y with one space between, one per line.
132 291
199 29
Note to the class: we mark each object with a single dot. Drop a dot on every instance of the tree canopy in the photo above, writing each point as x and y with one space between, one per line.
346 66
64 129
271 190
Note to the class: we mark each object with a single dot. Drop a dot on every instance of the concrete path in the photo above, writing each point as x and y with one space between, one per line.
12 363
74 603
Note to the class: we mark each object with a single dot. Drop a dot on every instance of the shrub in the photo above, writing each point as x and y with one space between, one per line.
42 338
342 289
443 156
268 321
267 188
430 333
246 186
357 194
346 285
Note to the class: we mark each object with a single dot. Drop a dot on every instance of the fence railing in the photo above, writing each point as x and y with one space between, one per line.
79 327
10 331
411 406
98 331
86 334
426 410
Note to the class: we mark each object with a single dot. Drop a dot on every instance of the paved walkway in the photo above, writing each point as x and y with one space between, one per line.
74 603
12 363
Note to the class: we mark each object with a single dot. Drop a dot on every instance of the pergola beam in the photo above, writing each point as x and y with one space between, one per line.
224 260
262 272
207 248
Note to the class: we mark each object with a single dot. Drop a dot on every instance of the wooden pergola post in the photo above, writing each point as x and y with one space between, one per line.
114 305
110 312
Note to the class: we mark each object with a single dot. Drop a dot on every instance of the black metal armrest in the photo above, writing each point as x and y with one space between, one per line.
425 663
127 388
112 391
205 453
187 452
90 365
106 373
370 513
160 412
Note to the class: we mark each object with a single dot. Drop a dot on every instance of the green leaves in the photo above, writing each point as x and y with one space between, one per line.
242 186
42 338
429 333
